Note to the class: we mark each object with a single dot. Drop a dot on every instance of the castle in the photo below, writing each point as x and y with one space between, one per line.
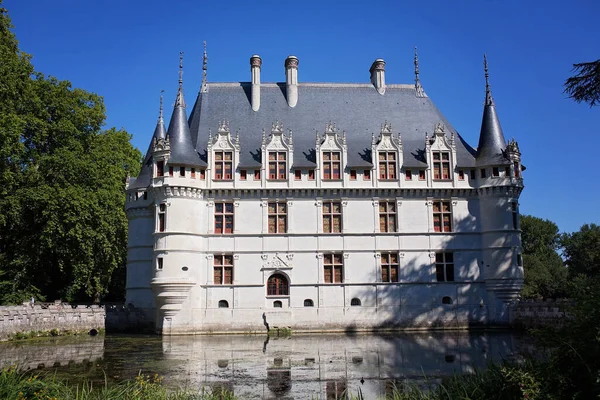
323 207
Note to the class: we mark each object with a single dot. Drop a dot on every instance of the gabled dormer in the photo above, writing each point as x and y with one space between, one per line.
277 153
514 155
161 151
387 153
331 153
223 153
440 151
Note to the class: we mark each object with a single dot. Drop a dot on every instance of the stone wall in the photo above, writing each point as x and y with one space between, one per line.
49 316
536 313
122 318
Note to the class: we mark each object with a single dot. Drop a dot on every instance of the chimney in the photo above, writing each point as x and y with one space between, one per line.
377 71
255 63
291 80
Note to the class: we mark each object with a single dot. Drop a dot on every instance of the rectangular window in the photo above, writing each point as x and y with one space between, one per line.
162 216
193 172
331 165
507 171
170 171
441 165
389 267
181 171
517 170
495 172
333 266
223 217
277 217
387 165
298 175
519 260
257 174
482 173
277 165
243 175
223 165
444 267
223 269
352 174
473 175
311 174
461 175
160 168
159 263
408 175
442 216
367 175
202 174
145 195
332 217
421 174
387 216
515 215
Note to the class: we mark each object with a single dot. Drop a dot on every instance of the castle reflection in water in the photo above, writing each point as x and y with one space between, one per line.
294 367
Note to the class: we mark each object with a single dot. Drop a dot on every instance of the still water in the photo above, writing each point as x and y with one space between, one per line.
294 367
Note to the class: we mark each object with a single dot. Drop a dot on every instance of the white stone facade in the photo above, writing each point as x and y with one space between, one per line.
414 250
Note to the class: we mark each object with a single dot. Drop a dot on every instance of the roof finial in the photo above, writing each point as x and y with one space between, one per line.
160 112
418 87
204 86
489 100
180 102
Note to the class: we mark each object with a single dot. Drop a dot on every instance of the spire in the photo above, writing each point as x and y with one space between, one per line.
160 132
204 87
418 87
491 138
182 149
179 101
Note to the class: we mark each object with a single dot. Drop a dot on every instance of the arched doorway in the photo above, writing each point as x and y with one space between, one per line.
278 285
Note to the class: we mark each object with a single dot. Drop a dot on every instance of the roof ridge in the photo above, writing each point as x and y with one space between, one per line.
315 84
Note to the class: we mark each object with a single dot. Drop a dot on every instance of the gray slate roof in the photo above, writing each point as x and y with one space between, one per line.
356 108
145 175
182 150
492 144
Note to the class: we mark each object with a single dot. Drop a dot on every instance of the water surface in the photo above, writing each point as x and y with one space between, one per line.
294 367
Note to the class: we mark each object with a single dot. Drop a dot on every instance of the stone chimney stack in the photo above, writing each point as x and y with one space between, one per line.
377 71
255 63
291 80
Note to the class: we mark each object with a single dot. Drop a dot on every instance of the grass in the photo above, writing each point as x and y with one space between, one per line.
51 333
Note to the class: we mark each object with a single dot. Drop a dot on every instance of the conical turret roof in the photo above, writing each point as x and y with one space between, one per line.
491 138
160 132
182 149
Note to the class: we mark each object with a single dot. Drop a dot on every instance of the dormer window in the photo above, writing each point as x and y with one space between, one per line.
517 170
331 165
223 165
182 171
441 165
495 172
170 171
160 168
278 165
387 165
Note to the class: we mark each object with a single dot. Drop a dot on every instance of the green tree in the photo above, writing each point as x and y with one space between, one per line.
584 85
63 230
581 250
545 273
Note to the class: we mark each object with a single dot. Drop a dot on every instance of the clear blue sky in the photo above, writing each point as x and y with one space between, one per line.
127 51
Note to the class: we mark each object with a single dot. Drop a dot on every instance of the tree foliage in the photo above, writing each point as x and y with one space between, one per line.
63 230
545 273
584 85
581 250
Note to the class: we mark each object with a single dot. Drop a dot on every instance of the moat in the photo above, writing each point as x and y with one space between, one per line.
296 366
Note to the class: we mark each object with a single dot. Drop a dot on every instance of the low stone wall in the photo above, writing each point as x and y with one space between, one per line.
126 318
537 313
49 316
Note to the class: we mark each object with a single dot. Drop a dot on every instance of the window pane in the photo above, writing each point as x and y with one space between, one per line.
450 272
335 156
281 226
229 224
326 208
218 276
385 258
272 208
449 257
436 155
281 208
218 156
394 273
272 228
229 207
436 206
393 258
327 271
385 274
437 225
281 156
392 223
439 272
217 260
337 258
445 156
338 274
228 156
228 275
327 224
337 223
326 156
337 208
382 224
439 257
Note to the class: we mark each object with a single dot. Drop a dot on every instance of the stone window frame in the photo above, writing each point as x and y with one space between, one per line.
440 213
390 217
161 217
386 263
277 215
331 164
384 161
223 267
278 165
223 163
222 215
331 215
444 266
330 262
441 164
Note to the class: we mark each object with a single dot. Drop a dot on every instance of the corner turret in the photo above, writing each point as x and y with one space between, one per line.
182 149
490 150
